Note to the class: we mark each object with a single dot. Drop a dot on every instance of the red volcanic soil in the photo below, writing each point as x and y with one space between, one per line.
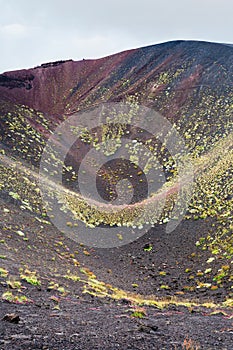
63 87
54 88
189 82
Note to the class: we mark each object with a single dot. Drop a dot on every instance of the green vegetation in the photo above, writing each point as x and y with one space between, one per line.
138 313
30 277
3 272
204 120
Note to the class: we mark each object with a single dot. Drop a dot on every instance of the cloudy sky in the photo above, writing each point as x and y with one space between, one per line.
33 32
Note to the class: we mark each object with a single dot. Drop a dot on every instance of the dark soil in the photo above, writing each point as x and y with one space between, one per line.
81 321
96 324
61 313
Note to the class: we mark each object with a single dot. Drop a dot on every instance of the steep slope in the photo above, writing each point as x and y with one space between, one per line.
186 68
189 83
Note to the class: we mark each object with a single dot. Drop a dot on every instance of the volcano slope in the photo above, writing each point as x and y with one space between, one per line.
161 291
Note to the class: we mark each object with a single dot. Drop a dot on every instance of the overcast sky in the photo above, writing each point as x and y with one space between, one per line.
34 32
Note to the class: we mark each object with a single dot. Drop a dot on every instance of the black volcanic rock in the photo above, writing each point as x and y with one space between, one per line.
53 64
15 82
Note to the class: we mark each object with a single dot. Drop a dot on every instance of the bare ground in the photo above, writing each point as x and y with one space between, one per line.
70 319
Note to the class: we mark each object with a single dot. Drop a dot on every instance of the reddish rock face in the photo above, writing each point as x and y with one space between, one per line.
189 83
165 76
58 88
